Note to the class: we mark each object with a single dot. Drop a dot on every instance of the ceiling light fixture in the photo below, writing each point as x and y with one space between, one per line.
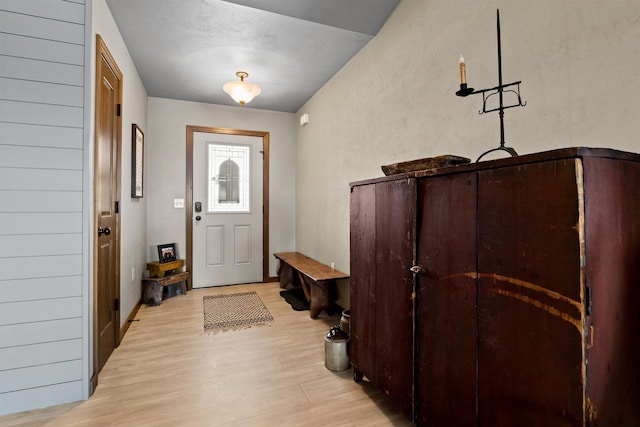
241 91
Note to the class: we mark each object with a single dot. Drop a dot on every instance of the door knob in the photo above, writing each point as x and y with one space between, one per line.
106 231
198 218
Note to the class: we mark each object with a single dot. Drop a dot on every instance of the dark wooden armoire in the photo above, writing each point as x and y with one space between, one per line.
502 293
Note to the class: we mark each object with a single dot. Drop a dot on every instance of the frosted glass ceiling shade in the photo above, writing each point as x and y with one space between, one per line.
242 92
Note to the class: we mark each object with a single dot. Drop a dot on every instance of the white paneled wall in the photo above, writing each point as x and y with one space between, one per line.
43 290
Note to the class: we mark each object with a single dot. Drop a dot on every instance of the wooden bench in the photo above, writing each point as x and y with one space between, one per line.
161 275
316 279
153 287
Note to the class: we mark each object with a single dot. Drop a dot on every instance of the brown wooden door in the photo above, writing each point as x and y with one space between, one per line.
446 293
530 331
107 149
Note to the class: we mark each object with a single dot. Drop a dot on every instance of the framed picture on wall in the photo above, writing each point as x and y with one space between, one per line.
137 161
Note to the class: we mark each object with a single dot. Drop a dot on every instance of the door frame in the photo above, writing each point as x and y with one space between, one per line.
189 193
102 53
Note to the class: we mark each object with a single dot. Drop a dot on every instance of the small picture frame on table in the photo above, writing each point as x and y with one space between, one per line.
137 161
167 252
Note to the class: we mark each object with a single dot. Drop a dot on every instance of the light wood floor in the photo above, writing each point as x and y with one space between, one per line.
168 372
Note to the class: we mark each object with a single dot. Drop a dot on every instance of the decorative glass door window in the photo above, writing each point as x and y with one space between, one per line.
228 178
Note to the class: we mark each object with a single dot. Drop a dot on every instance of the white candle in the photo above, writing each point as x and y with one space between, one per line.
463 71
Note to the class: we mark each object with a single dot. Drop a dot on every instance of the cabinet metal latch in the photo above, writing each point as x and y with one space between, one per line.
588 301
417 269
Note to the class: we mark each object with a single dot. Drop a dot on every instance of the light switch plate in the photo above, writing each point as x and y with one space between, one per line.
178 203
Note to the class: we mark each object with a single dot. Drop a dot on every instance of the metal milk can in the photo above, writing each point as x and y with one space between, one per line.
336 357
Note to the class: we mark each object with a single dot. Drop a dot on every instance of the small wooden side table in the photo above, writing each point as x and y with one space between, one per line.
162 275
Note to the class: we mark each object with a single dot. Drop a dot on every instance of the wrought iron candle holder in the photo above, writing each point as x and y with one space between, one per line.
498 90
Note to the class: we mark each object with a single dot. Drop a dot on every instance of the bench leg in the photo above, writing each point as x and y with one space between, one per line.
305 286
152 294
285 275
321 298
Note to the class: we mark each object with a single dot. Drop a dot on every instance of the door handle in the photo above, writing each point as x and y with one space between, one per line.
106 231
198 218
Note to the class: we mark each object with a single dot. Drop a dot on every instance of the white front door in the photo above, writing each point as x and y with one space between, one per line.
227 211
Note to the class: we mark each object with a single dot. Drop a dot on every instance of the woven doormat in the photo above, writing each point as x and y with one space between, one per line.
234 311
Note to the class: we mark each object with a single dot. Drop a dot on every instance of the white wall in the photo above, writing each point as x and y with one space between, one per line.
579 62
133 212
166 167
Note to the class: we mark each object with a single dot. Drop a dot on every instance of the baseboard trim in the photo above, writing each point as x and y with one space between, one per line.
93 383
124 328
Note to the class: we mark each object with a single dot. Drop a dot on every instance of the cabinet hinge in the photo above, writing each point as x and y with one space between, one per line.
117 207
592 414
118 110
116 304
587 300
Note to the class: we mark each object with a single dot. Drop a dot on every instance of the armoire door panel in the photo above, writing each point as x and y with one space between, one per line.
446 318
612 192
529 221
395 248
363 280
530 324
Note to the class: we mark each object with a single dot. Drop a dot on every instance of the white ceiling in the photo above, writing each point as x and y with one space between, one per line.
187 49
